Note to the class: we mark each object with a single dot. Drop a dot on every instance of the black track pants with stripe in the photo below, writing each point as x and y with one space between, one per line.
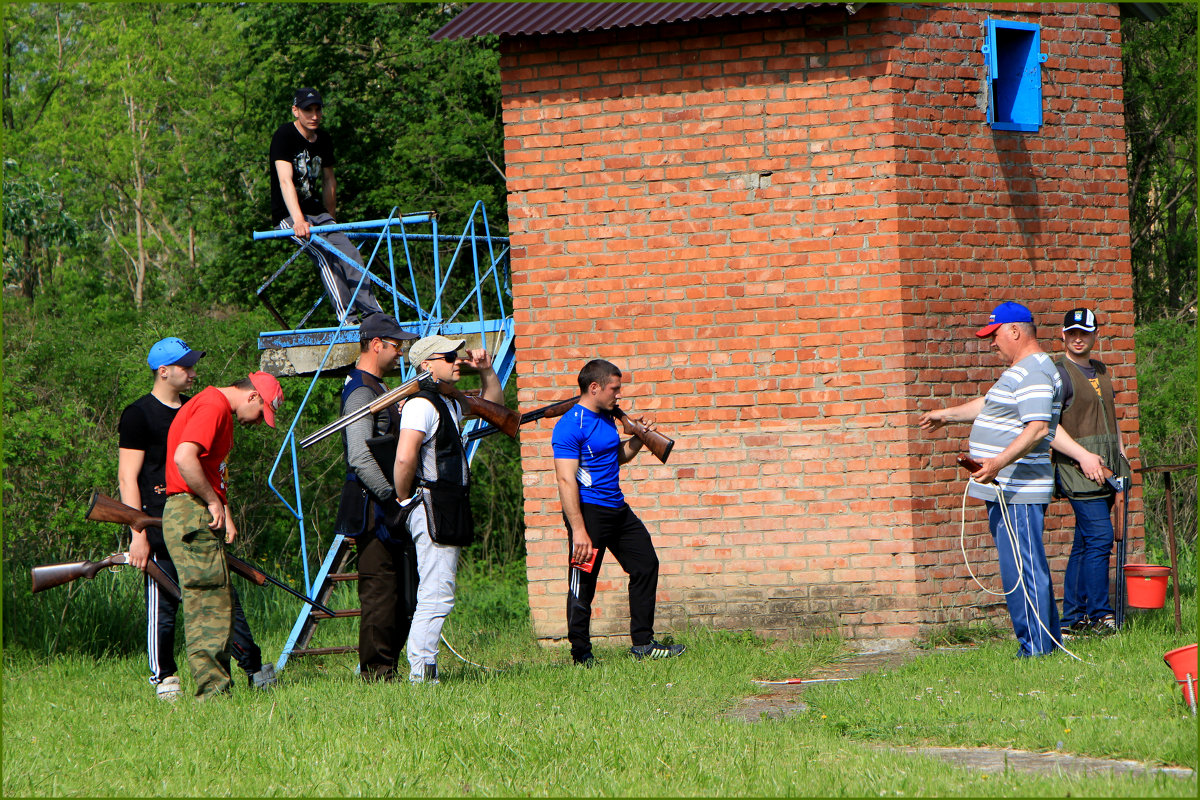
619 531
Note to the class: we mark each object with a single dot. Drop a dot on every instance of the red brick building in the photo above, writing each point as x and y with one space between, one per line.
784 225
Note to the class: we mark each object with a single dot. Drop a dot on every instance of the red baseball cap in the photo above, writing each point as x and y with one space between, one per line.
270 391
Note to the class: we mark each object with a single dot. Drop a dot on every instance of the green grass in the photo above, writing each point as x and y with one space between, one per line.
81 723
1121 702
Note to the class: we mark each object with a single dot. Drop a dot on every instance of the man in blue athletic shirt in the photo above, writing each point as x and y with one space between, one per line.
587 455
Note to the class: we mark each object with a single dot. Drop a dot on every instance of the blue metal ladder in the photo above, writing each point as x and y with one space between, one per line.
403 236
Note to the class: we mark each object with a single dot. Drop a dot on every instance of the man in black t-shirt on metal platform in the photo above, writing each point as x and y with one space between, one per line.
141 475
301 152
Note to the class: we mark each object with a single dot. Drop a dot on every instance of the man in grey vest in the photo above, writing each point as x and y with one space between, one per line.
387 567
1089 420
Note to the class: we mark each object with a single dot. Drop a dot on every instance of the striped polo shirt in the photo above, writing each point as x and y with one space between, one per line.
1028 391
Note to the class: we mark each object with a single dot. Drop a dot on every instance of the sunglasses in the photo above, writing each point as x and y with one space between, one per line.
449 358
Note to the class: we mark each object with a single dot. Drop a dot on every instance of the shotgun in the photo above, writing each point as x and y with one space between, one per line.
546 412
380 403
1121 507
504 419
257 576
48 576
658 444
105 509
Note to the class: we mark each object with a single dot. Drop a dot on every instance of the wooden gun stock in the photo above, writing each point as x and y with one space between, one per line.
545 412
501 417
48 576
388 398
658 444
105 509
969 464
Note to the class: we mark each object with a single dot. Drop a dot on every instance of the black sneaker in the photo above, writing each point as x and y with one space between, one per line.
1079 627
587 661
656 650
1105 626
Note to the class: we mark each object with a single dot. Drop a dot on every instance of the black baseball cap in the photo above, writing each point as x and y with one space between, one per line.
382 326
1081 318
307 97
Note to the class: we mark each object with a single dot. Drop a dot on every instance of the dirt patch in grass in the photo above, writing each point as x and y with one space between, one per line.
780 700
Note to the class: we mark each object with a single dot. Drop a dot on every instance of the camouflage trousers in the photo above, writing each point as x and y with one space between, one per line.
199 556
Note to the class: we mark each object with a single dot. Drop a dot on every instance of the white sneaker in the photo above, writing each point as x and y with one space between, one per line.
169 689
430 676
264 678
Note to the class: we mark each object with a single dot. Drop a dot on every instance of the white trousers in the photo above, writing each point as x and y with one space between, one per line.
437 566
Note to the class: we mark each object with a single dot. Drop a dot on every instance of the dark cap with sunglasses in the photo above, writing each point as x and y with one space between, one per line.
434 346
382 326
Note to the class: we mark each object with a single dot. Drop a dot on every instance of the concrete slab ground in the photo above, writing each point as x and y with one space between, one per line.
782 700
1001 761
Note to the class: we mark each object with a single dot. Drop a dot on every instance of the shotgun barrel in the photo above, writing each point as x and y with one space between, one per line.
257 576
1121 507
384 400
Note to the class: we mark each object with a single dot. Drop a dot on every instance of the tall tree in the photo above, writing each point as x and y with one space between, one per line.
1159 59
116 99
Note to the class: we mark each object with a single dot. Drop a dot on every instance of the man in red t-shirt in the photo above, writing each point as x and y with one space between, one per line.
197 511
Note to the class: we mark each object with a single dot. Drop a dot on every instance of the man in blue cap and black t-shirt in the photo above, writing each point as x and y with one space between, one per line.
141 476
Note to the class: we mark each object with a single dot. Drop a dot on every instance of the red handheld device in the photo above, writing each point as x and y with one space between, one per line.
969 464
589 565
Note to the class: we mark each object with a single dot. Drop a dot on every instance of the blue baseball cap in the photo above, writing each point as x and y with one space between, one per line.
1004 314
172 351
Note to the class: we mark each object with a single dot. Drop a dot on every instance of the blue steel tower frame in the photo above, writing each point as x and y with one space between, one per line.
398 237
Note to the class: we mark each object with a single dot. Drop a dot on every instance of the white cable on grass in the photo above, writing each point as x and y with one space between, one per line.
465 660
1012 538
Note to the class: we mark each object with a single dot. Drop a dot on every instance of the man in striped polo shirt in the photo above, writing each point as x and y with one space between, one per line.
1013 425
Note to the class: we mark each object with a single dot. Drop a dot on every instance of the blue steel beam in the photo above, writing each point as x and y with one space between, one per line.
496 333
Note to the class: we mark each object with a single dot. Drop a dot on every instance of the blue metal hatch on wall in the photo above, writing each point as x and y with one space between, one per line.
1014 70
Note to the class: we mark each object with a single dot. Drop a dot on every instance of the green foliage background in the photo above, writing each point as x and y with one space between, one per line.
135 141
135 169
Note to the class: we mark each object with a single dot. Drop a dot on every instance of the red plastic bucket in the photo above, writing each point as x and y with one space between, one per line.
1146 585
1182 662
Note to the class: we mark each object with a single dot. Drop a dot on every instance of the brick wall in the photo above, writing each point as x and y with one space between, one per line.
784 229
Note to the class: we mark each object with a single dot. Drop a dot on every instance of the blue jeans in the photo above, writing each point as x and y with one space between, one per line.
1085 588
1031 603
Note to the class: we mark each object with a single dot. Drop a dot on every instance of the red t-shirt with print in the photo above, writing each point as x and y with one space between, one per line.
207 420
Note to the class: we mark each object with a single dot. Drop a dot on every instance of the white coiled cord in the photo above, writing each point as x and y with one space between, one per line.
1012 537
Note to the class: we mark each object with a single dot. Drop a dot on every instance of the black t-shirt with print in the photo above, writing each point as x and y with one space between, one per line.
307 160
143 426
